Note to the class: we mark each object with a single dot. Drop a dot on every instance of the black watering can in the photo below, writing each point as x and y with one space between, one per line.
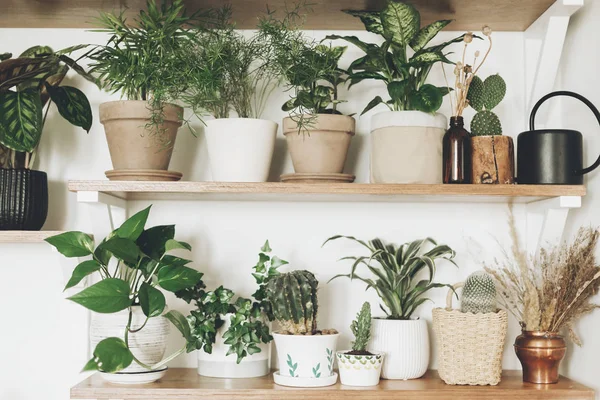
552 156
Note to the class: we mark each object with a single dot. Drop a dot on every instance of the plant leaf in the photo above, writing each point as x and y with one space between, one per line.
134 226
428 99
175 278
81 271
72 104
110 355
371 20
20 119
372 104
152 300
123 249
476 93
427 33
181 323
400 22
173 244
397 90
107 296
72 244
153 240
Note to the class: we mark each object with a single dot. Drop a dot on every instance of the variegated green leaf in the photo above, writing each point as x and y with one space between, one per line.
370 19
5 56
427 33
400 22
440 47
37 51
19 70
373 103
427 99
350 39
358 77
427 58
20 119
72 104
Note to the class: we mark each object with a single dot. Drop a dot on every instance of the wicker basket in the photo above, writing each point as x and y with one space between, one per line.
469 345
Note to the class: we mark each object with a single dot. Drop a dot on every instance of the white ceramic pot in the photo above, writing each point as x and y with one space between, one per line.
406 147
359 370
147 345
220 365
406 347
305 356
240 149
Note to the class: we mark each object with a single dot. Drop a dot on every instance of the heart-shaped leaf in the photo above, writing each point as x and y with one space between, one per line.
21 119
107 296
175 278
152 300
134 226
153 240
428 99
173 244
110 355
123 249
81 271
180 322
72 244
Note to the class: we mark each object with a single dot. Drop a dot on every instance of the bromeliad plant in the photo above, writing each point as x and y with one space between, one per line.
29 85
396 270
405 75
132 262
249 318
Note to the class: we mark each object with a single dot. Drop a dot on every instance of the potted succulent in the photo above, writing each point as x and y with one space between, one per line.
406 141
29 85
233 336
359 367
492 154
230 72
317 133
305 353
405 341
145 62
130 322
547 294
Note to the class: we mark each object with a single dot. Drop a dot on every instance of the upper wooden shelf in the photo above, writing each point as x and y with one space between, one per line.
26 236
501 15
276 191
185 384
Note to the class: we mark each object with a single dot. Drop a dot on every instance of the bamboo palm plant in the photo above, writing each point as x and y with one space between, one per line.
395 270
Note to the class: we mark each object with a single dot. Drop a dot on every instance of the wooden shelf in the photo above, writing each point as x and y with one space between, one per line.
276 191
501 15
183 384
26 236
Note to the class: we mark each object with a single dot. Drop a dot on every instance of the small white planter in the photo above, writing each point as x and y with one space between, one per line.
220 365
406 147
359 370
147 345
302 356
406 347
240 149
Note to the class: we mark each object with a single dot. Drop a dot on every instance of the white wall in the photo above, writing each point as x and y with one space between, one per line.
43 330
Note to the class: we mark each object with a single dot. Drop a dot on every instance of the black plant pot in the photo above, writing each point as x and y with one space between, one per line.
23 199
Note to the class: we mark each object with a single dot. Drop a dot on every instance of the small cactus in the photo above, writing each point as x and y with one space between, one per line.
479 294
293 296
361 328
483 96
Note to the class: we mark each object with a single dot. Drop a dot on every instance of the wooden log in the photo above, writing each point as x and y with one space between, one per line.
492 159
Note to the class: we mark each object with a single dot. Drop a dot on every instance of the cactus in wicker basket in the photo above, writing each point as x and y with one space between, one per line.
483 96
479 294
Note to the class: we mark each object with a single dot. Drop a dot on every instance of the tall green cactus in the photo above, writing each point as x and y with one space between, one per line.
293 296
361 328
479 294
483 96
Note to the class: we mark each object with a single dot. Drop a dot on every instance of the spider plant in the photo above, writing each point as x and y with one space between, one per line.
396 269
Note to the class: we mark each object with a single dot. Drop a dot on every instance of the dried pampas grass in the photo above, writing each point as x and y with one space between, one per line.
551 291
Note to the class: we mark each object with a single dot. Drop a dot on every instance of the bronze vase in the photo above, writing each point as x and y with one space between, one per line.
540 354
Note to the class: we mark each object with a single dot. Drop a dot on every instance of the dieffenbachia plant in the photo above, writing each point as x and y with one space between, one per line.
29 84
132 264
405 75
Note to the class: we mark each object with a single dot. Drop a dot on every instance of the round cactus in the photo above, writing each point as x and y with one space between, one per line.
479 294
476 94
486 123
293 296
495 90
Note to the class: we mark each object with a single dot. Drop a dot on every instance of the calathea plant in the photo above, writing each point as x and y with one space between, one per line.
132 264
395 272
29 85
404 74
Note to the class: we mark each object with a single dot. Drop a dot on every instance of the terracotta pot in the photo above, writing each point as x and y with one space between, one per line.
131 143
492 159
540 354
323 147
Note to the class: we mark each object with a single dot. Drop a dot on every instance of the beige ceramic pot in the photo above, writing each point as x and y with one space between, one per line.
131 143
323 147
492 159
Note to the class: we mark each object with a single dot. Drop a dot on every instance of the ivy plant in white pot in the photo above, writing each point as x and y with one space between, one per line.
406 141
404 340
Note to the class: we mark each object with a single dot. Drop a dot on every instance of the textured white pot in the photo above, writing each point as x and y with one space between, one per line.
240 149
220 365
147 345
306 356
359 370
406 147
406 347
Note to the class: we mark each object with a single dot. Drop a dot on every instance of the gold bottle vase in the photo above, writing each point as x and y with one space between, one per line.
540 354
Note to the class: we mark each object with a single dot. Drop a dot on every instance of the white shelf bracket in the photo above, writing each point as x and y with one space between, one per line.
544 41
106 212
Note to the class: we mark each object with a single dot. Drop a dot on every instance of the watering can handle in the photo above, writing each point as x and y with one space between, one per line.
578 97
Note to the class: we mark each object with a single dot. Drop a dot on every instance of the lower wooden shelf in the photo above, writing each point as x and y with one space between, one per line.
26 236
184 383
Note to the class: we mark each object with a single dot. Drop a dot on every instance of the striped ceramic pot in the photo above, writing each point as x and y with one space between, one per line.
406 347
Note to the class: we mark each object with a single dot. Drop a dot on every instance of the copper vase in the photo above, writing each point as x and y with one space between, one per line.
540 354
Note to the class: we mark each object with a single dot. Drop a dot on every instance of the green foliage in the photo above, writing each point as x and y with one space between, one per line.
405 76
293 297
27 85
483 96
396 272
479 294
140 266
361 328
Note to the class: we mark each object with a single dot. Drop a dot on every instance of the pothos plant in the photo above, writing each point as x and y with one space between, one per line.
132 264
404 74
248 317
29 85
